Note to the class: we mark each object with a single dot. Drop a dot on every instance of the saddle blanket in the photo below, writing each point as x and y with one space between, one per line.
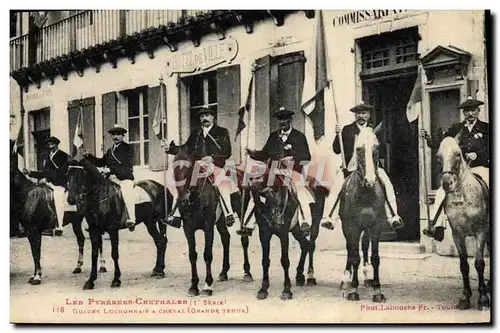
139 194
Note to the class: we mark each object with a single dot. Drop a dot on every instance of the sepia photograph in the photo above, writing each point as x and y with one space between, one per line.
256 166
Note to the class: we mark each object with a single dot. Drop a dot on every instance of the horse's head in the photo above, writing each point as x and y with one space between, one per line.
366 149
77 183
450 157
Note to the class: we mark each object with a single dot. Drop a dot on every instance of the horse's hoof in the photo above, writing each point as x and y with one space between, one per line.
193 292
116 284
58 232
158 275
102 269
368 282
248 278
262 294
88 285
30 281
311 281
286 295
300 280
35 282
206 292
353 297
483 304
77 270
223 277
378 298
463 304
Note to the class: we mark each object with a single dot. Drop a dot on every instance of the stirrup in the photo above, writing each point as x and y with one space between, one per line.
244 232
231 219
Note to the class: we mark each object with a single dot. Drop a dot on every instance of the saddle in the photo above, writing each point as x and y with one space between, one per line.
484 186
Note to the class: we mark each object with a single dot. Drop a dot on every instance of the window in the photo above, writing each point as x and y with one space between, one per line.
138 126
13 24
202 93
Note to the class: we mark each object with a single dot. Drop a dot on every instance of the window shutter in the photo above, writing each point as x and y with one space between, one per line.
228 103
155 151
262 101
88 123
108 118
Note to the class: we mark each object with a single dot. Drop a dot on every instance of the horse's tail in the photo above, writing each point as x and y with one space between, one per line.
40 204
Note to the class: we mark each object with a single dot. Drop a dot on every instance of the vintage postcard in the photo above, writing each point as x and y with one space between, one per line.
250 166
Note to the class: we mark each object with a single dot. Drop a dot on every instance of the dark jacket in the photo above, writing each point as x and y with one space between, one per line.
120 161
274 149
54 170
349 133
476 141
216 144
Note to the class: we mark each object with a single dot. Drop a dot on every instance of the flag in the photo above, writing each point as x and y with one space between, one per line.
78 137
244 108
414 106
160 113
316 80
19 144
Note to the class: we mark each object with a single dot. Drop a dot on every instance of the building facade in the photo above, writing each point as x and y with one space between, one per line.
110 62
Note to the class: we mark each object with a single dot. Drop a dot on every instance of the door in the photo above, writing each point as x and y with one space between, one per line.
40 149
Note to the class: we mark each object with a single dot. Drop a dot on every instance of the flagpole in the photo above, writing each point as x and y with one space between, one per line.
24 142
162 130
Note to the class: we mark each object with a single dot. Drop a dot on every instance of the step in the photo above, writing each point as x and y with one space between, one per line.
402 247
393 255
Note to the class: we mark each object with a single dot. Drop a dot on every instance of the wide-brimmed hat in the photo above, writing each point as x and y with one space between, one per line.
283 113
204 110
362 107
53 140
117 129
470 104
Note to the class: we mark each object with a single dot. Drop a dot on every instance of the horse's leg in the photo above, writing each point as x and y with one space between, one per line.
193 257
143 213
245 241
483 302
354 260
95 236
225 238
367 267
208 257
304 250
285 263
102 261
378 297
464 302
35 239
76 220
113 237
311 280
265 242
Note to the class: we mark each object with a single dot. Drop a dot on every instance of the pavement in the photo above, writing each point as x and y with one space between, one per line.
417 291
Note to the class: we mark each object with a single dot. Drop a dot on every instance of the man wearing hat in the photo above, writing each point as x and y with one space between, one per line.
211 145
54 175
119 162
286 145
362 113
473 139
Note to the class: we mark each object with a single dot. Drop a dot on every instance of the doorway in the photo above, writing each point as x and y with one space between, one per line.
390 97
39 125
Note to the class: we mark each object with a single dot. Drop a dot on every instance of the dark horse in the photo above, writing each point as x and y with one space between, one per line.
276 210
362 210
199 208
467 207
33 207
101 202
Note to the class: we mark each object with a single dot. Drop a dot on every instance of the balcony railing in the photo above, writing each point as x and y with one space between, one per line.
84 30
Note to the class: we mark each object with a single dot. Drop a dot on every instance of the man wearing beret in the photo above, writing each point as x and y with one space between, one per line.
54 175
118 162
287 145
473 139
362 114
211 146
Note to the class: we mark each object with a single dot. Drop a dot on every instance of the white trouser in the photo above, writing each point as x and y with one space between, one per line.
337 187
304 197
440 194
225 185
127 188
60 197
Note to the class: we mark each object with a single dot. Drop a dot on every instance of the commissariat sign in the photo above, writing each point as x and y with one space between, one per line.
207 55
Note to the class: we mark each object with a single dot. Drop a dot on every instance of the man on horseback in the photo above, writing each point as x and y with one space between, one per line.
118 162
211 145
473 139
286 145
54 175
362 114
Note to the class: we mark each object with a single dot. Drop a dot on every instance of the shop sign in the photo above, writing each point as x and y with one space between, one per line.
359 16
39 94
203 57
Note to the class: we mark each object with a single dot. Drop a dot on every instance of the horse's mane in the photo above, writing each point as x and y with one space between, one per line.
449 144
